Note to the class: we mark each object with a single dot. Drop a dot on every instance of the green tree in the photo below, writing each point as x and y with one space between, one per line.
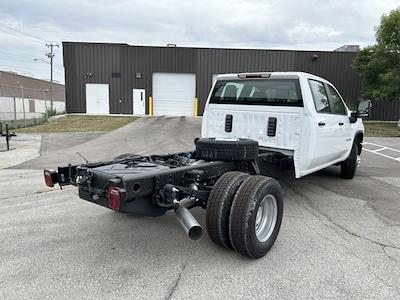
379 65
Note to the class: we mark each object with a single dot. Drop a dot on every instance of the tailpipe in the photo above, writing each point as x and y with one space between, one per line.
192 228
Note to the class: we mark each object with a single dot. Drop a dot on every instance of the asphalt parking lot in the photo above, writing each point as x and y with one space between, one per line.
339 238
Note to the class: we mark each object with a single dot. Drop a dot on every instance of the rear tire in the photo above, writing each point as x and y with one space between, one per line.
219 207
349 166
256 216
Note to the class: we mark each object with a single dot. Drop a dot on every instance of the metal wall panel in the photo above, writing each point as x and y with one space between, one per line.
91 63
385 110
96 63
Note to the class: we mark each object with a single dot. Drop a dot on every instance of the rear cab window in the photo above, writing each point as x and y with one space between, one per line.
279 92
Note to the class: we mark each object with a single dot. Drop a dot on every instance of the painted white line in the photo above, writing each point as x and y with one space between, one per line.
376 145
380 149
381 154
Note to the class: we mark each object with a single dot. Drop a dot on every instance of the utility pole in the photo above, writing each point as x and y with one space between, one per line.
15 114
51 56
23 103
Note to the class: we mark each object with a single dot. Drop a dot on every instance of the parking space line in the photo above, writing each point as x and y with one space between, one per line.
380 149
381 154
373 144
376 151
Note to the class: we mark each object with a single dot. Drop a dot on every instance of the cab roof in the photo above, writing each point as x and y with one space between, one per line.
235 76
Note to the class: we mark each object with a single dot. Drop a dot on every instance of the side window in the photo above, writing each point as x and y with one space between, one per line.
320 96
337 103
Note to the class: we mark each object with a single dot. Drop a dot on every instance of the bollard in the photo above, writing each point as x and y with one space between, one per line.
7 135
7 138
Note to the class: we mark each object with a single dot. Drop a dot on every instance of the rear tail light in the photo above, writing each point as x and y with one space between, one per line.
50 177
114 198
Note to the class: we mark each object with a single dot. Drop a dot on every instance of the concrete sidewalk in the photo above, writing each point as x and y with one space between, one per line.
23 147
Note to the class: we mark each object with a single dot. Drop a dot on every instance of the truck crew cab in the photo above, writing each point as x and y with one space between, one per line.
252 123
297 114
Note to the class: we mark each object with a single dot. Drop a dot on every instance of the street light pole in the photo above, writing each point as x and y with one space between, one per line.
51 56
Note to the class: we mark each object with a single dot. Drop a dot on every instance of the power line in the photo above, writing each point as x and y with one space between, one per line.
24 33
16 36
28 61
27 58
19 54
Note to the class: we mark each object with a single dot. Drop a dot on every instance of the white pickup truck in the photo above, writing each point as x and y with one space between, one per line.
253 123
300 115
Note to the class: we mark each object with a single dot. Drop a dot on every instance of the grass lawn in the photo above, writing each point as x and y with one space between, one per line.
73 123
381 129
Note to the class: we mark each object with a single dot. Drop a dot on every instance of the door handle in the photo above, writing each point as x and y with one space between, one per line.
341 124
321 124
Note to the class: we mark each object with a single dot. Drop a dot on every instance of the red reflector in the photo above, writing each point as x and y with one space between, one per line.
48 178
114 198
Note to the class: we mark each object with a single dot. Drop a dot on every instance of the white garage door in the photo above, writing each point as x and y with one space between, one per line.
97 98
173 94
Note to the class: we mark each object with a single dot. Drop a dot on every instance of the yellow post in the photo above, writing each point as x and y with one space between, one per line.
196 106
150 106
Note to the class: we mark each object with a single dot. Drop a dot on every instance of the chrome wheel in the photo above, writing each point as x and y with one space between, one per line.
358 160
266 218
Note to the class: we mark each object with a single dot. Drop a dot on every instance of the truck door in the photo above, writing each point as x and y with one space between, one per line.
341 117
327 145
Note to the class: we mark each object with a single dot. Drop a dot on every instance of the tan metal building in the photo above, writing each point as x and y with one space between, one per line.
27 97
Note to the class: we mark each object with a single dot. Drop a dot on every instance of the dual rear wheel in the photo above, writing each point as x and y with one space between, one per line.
244 213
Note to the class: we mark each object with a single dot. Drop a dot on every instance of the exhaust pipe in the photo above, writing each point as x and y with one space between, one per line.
192 228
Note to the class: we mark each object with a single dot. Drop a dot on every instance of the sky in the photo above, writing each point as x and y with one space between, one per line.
26 26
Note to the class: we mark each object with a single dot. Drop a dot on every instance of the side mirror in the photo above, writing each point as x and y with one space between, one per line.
353 117
364 108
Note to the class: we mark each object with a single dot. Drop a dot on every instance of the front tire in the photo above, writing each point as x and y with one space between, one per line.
349 166
256 216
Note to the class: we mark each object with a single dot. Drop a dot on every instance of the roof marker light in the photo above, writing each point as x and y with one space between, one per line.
254 75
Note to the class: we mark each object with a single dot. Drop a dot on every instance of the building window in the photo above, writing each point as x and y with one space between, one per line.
31 106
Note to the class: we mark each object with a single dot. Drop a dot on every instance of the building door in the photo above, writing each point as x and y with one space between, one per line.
139 101
31 106
97 98
173 94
